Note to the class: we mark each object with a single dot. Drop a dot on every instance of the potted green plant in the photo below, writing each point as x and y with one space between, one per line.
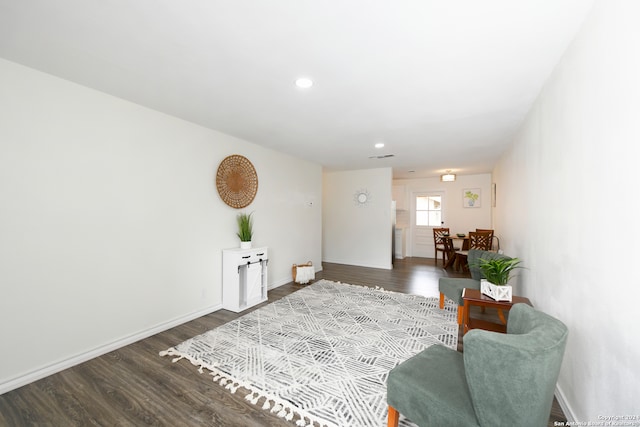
497 272
245 229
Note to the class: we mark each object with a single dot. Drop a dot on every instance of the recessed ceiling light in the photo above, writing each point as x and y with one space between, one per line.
379 145
304 83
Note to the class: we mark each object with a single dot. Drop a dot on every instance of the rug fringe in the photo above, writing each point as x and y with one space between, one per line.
281 407
288 412
172 352
276 408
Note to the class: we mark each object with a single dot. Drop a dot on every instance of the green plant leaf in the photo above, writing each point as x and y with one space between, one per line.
245 226
498 270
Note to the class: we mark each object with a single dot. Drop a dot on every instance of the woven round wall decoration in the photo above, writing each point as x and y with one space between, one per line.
237 181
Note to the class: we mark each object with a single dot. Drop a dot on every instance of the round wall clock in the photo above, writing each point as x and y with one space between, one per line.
237 181
361 197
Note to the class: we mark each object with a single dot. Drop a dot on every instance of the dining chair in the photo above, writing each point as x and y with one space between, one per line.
449 250
439 236
487 230
480 240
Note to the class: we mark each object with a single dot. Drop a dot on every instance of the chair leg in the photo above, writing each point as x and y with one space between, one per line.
460 314
394 417
464 264
441 300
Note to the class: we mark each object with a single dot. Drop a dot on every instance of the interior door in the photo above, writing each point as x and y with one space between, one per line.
426 213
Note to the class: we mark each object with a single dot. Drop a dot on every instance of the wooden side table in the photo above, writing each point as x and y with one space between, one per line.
477 298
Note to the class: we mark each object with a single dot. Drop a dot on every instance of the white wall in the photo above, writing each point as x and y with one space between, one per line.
357 234
111 226
567 206
456 217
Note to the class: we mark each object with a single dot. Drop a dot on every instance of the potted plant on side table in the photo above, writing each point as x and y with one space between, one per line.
245 230
497 272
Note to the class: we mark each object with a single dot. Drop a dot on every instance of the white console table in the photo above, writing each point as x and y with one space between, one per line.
244 278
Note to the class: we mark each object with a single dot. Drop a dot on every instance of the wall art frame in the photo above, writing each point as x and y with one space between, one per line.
471 197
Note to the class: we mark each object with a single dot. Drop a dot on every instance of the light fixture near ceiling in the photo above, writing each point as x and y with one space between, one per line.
448 177
304 83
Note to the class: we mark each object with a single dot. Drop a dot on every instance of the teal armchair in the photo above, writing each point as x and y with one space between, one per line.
452 287
500 380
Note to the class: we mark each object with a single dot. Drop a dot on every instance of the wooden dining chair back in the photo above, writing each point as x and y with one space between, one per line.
477 240
486 230
480 240
439 242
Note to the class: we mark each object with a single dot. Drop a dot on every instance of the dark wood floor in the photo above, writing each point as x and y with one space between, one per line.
133 386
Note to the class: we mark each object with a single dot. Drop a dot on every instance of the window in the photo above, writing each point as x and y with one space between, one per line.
429 211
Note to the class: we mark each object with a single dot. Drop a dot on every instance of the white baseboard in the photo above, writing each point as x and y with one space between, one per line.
278 283
56 367
566 408
99 351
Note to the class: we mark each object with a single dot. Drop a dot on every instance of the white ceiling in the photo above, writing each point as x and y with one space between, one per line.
444 84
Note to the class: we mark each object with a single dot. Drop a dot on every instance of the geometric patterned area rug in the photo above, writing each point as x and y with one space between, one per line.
321 355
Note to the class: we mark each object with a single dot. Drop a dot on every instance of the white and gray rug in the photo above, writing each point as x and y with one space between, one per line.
321 355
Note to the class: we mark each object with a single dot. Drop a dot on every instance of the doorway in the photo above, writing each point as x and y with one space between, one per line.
425 215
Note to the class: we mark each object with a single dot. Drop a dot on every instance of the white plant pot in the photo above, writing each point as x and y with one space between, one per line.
498 293
245 245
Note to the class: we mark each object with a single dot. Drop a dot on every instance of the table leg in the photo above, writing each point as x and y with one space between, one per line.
501 316
449 251
465 321
450 259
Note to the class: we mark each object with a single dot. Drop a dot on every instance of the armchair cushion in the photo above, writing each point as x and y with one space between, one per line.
452 287
446 402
